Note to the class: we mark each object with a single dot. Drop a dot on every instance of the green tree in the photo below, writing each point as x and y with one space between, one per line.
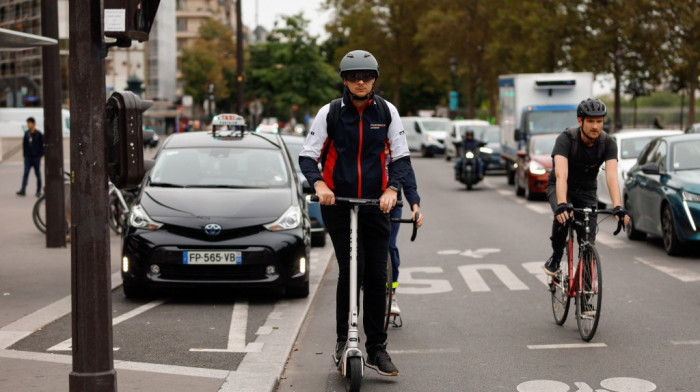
684 36
288 70
211 60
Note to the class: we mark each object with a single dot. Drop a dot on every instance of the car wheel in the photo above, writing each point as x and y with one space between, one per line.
672 244
519 191
528 194
318 239
134 290
632 233
298 291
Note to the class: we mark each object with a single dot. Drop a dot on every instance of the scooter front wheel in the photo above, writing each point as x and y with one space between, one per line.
353 375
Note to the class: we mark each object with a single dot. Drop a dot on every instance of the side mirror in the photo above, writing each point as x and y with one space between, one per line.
650 168
148 165
518 135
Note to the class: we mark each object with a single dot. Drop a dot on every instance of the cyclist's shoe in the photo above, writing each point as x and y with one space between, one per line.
395 306
551 266
20 193
38 194
339 349
380 361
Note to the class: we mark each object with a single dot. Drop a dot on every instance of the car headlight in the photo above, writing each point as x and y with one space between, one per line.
469 155
694 197
536 168
291 219
486 150
430 138
138 218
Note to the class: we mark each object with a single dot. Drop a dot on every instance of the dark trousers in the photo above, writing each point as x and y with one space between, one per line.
28 164
393 249
580 198
373 246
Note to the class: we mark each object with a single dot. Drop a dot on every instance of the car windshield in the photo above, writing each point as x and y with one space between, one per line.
631 148
491 135
537 123
220 167
685 155
543 146
432 125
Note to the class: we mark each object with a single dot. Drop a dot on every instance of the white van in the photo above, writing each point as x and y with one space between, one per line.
426 134
457 130
13 121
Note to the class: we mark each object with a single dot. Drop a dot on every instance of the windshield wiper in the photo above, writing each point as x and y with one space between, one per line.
166 185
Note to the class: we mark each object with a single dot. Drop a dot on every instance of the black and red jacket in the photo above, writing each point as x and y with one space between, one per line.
353 160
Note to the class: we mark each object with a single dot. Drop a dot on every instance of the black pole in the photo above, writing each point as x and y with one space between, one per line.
239 59
53 131
93 365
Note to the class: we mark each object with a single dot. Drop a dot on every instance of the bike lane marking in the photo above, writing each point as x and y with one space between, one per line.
565 346
682 274
236 333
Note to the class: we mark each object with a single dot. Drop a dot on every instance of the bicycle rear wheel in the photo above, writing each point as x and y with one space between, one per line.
590 295
560 291
39 214
389 294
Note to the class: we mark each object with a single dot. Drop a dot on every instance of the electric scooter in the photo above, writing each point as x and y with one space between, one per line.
352 364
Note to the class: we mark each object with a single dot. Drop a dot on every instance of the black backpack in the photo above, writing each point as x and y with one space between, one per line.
334 114
573 136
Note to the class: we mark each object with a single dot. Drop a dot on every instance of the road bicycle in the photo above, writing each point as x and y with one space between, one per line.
390 318
583 281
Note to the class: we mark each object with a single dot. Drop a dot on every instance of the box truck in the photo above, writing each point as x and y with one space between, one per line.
538 103
13 121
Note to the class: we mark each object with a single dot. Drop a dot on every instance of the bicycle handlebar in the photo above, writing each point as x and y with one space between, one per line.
374 202
589 210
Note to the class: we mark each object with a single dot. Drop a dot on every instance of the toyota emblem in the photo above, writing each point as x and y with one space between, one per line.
212 229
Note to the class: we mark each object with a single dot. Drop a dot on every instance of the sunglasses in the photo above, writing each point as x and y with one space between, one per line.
354 77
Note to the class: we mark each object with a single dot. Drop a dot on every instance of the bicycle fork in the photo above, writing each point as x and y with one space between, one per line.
352 347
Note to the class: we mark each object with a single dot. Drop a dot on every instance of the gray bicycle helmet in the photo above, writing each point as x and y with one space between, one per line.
591 107
358 60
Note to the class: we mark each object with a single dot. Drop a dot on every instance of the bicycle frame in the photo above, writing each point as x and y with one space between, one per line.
583 246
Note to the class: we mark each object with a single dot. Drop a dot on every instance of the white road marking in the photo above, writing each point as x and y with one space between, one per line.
449 252
565 346
628 384
612 241
535 268
479 253
681 274
476 283
429 286
685 342
236 332
428 351
543 209
504 192
66 345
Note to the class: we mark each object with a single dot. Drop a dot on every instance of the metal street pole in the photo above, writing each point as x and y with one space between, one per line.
93 364
240 100
53 131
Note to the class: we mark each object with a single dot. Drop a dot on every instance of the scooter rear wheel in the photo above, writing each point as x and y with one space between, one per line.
353 375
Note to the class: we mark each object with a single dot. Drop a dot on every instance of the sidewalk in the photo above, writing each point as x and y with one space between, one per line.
35 289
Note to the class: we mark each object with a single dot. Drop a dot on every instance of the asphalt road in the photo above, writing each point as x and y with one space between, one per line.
477 313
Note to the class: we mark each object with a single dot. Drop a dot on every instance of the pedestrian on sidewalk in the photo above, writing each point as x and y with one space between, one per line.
33 147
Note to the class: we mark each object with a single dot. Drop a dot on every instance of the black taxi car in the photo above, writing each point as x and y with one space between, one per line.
222 207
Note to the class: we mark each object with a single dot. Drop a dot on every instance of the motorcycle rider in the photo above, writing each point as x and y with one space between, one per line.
469 143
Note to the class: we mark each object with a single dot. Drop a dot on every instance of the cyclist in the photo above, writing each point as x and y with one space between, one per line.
410 190
348 138
578 154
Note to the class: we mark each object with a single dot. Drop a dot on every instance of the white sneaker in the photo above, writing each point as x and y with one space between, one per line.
395 306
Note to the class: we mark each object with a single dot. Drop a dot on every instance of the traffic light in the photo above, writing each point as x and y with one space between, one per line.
129 19
124 138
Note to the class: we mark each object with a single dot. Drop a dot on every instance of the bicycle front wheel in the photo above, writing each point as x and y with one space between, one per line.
560 292
590 294
389 294
39 214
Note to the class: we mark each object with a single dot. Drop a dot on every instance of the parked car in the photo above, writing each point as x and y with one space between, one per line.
456 133
426 134
534 165
491 151
662 192
630 142
218 209
318 229
694 128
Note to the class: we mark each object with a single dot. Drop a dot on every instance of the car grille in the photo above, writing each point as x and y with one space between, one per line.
199 233
212 272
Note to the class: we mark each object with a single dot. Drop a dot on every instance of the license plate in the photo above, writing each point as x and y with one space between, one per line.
212 257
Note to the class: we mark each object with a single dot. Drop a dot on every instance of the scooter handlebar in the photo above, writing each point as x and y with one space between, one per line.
355 201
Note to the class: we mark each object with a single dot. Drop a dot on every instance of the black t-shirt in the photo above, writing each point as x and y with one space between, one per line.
583 168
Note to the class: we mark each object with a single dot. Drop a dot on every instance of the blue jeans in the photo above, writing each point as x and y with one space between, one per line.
28 164
393 249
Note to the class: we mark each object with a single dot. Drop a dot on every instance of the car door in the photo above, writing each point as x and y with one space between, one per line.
636 188
655 187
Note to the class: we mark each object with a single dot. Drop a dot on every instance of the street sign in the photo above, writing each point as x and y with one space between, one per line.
453 100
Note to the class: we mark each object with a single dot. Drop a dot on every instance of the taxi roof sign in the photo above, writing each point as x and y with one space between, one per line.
228 119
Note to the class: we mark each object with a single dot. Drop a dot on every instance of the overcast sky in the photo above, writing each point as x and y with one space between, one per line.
268 11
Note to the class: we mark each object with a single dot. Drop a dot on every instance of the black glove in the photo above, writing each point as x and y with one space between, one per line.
620 212
561 208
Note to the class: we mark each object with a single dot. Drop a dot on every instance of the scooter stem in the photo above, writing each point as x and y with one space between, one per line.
353 334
